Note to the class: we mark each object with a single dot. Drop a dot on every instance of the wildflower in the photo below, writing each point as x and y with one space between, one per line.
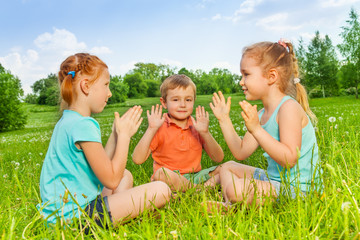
336 126
237 128
332 119
345 206
41 154
125 235
5 176
340 118
174 234
244 128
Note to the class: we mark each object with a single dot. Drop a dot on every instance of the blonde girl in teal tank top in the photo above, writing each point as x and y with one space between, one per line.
283 128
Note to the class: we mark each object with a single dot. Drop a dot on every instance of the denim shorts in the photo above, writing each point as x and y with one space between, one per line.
280 189
97 209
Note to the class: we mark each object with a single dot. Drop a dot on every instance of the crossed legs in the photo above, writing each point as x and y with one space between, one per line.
238 184
128 202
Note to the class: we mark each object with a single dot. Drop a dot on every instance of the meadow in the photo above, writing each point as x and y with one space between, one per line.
332 214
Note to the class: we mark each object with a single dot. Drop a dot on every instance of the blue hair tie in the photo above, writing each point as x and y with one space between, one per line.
72 73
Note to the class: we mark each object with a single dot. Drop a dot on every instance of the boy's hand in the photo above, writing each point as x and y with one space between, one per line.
219 106
250 115
202 120
129 122
155 118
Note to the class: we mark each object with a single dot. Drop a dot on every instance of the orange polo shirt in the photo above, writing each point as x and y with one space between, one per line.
177 149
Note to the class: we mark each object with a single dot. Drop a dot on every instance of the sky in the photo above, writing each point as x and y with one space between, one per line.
37 35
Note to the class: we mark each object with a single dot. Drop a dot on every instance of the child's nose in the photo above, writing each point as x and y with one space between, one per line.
110 94
241 83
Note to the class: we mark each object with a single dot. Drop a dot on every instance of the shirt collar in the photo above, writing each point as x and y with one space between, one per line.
168 120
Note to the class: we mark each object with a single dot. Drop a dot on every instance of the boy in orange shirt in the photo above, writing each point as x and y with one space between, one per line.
176 139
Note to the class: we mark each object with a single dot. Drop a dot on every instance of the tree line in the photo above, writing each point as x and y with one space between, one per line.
322 73
143 81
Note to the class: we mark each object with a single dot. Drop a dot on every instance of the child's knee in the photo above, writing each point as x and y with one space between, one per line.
160 174
128 176
162 189
226 166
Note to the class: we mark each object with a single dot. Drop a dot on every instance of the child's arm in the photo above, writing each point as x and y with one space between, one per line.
240 148
201 125
142 149
110 170
111 143
290 130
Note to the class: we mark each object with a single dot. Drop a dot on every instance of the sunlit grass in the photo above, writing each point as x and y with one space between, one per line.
333 214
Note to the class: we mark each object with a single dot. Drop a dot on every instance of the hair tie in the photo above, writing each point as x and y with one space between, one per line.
72 73
296 80
283 42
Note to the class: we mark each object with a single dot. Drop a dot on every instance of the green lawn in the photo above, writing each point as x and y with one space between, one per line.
333 215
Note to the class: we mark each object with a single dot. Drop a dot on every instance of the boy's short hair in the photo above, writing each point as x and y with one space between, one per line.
174 81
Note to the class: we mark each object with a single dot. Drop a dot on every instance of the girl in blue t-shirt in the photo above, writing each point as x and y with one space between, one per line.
80 175
283 128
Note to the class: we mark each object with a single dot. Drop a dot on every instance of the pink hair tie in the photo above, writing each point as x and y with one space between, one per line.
283 42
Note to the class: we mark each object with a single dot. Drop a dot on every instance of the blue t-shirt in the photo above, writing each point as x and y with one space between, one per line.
65 167
305 169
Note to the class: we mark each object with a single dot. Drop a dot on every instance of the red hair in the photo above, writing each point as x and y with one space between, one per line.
81 64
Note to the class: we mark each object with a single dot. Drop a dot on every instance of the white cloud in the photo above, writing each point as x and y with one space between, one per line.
226 65
336 3
277 22
216 17
51 48
60 40
246 7
100 50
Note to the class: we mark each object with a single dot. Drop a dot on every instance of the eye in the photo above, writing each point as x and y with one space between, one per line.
189 100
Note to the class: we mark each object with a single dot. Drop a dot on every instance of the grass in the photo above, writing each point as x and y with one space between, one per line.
335 214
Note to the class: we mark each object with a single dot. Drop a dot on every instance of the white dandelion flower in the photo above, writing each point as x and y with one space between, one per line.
332 119
345 205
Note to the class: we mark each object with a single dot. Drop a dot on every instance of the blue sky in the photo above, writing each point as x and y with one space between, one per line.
37 35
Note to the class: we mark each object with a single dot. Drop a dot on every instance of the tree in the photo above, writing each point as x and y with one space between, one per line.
11 114
137 85
350 48
348 78
321 65
47 90
119 90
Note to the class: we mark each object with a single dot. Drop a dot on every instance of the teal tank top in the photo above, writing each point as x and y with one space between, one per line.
306 168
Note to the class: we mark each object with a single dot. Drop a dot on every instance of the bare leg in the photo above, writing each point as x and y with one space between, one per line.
248 190
176 181
130 203
238 184
125 184
215 177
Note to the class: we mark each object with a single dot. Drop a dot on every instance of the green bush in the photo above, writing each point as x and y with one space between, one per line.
11 115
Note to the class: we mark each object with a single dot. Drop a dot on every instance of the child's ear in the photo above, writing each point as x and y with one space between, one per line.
163 103
273 76
85 86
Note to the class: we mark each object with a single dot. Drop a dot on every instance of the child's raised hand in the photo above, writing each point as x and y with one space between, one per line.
219 106
129 122
155 118
202 120
250 115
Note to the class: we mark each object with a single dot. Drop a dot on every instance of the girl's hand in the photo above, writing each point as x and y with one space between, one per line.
220 107
202 120
129 122
155 118
250 115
